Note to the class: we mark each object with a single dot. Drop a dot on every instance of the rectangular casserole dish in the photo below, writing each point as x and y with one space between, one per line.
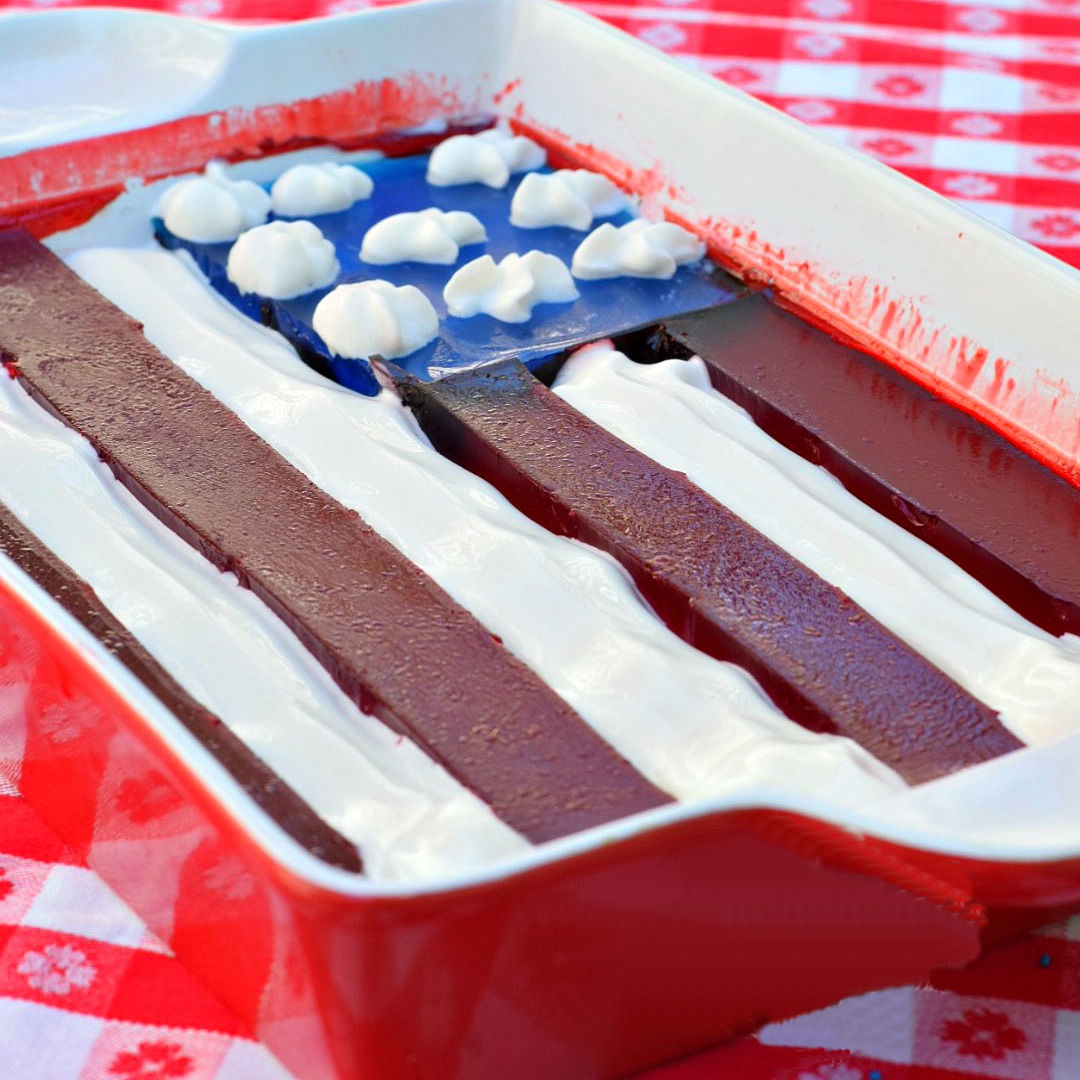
655 936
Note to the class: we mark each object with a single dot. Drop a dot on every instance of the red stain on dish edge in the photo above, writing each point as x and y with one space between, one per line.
888 318
1042 418
998 383
58 187
968 367
512 86
647 183
860 311
44 218
87 174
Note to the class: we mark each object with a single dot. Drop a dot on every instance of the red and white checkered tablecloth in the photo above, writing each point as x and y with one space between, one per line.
978 100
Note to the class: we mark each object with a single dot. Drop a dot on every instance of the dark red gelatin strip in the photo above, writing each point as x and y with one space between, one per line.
393 640
712 578
257 779
931 468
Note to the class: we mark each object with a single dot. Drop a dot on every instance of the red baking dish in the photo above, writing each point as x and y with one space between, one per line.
632 943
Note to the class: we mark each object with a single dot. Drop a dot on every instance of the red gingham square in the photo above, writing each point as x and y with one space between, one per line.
984 1036
136 1052
62 970
20 882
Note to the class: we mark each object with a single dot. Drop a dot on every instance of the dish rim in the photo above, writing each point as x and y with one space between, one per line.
200 763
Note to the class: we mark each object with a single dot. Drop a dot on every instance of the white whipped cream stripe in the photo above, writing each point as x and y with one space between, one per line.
229 650
615 662
770 787
766 770
670 412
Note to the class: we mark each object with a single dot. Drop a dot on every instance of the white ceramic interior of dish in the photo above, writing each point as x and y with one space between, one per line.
759 184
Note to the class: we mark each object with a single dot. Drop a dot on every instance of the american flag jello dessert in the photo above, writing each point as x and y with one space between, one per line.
481 509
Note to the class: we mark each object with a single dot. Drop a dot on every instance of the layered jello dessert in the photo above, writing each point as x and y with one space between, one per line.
476 507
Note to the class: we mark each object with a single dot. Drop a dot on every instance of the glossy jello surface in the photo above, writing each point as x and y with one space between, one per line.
257 779
687 724
400 185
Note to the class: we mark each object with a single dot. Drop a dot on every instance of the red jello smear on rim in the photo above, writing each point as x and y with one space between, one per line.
1037 414
58 187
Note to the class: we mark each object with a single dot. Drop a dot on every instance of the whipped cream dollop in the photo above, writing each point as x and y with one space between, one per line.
643 249
211 208
427 236
325 188
570 197
488 158
282 259
508 290
375 318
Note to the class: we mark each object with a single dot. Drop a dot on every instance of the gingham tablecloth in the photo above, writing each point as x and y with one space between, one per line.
978 100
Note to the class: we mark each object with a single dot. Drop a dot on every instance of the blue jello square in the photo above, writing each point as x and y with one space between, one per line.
603 308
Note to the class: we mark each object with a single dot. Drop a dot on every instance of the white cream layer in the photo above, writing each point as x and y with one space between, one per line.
694 726
282 259
410 818
671 412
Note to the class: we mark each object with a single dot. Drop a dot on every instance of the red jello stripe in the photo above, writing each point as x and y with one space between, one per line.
934 470
291 812
710 576
394 641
